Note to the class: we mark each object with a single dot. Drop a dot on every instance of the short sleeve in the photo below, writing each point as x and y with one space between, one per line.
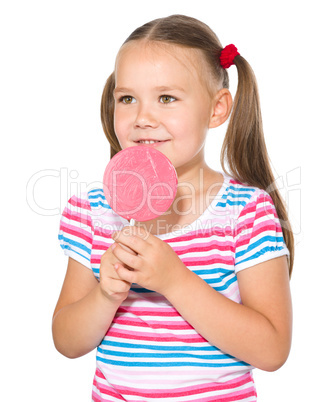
258 234
76 230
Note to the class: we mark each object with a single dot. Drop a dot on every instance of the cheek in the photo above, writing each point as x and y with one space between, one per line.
178 123
120 123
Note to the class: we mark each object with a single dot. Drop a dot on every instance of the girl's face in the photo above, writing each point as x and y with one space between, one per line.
161 101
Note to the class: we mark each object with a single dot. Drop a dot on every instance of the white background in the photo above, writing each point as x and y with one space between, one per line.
56 56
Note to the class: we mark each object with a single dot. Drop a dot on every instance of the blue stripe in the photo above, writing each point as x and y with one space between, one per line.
261 252
240 197
232 195
96 271
245 189
264 239
140 290
231 203
223 287
69 242
162 355
99 200
94 197
101 204
161 347
227 284
169 364
74 251
96 190
213 271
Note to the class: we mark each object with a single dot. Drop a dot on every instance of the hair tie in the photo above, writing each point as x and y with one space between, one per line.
228 55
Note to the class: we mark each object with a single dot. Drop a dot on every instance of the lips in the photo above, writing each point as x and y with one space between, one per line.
150 141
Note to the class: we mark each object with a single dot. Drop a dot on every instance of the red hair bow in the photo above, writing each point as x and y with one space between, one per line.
228 55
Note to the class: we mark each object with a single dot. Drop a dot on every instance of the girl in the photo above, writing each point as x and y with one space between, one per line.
183 307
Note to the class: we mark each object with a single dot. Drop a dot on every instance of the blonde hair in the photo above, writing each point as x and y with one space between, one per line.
244 147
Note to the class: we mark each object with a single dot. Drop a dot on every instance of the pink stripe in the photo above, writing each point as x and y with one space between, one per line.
190 261
267 208
234 397
149 311
78 232
195 389
99 245
207 246
208 260
232 181
137 322
121 374
104 388
107 231
95 260
177 377
80 203
244 240
201 234
231 291
199 389
259 227
77 217
154 337
266 211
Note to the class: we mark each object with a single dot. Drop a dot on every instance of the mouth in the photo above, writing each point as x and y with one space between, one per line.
149 142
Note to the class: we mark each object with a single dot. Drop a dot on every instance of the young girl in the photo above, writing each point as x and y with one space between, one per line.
183 307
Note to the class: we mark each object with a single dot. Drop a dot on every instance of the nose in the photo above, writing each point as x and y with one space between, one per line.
146 117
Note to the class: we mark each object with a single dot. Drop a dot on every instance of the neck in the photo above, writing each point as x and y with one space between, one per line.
197 186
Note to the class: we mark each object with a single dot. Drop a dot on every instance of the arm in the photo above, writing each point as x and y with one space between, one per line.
257 331
86 307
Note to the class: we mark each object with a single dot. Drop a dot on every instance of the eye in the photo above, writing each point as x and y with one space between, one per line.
167 99
127 99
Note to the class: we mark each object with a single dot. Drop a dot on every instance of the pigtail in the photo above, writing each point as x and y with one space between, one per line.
244 147
107 115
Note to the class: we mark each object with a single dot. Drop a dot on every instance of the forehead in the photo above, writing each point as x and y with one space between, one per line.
166 61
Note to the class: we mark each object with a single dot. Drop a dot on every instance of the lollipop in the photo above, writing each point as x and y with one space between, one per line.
140 183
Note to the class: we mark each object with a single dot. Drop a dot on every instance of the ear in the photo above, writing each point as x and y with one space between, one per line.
222 106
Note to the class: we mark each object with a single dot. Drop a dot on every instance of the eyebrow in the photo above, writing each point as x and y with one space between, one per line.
159 89
171 88
121 89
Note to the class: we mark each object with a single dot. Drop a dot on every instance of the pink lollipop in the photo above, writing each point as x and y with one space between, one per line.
140 183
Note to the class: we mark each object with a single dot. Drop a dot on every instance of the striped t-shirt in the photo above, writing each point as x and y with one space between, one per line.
150 352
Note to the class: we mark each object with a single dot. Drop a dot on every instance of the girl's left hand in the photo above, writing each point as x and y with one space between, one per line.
155 267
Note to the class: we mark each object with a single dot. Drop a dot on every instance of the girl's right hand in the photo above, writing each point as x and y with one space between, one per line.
112 287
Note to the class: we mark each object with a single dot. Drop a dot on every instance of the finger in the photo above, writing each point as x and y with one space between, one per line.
125 275
128 249
120 284
125 257
108 259
132 240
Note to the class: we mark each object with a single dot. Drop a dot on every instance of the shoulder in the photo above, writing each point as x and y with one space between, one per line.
90 202
96 199
88 208
257 230
239 198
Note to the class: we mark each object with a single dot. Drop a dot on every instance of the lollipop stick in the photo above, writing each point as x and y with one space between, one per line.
132 222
